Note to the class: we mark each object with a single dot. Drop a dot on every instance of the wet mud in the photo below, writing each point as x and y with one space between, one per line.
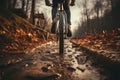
44 63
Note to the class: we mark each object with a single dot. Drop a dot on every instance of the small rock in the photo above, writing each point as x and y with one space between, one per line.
34 62
69 50
26 65
71 69
74 46
49 66
73 61
81 59
48 51
39 52
82 70
44 69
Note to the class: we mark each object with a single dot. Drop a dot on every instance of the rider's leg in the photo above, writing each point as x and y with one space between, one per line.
54 11
67 10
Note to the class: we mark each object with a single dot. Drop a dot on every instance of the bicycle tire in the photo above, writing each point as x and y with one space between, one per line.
61 34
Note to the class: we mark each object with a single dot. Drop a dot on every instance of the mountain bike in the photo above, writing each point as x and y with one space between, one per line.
61 27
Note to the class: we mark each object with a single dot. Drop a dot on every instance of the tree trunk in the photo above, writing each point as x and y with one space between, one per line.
3 3
33 11
23 4
14 3
27 4
116 13
87 16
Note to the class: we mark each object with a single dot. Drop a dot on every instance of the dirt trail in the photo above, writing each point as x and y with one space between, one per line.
46 64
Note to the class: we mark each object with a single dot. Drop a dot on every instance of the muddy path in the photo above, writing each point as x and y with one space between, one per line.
44 63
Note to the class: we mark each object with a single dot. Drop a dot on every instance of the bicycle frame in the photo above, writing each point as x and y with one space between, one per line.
61 12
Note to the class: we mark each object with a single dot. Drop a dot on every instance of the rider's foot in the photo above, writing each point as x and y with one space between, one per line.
53 28
69 34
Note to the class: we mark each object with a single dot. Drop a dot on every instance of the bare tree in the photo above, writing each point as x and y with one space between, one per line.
13 3
86 15
23 4
102 9
115 4
3 3
33 11
97 9
27 5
